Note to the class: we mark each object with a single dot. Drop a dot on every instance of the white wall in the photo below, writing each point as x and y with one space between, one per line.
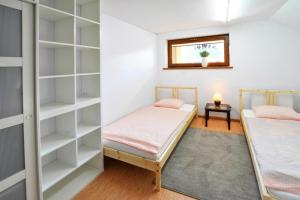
263 54
129 67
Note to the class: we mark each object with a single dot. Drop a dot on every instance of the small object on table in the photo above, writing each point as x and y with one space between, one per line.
212 107
217 99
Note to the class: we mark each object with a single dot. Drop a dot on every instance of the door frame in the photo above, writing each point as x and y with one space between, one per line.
27 63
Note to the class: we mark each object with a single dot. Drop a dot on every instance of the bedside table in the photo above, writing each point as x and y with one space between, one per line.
211 107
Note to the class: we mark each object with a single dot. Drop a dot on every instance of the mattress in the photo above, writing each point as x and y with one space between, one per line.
126 148
283 195
277 145
248 113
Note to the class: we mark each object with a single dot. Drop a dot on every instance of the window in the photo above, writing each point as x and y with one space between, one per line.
185 53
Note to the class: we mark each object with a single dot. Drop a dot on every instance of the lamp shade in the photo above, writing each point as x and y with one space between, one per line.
217 97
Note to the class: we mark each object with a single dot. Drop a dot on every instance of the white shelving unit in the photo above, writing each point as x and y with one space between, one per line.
56 132
56 25
56 94
87 87
88 120
88 146
87 60
53 60
87 32
58 164
64 6
68 92
88 9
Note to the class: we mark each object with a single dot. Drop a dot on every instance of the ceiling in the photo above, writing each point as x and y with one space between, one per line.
161 16
289 14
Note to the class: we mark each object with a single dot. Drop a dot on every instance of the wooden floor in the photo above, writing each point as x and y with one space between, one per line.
121 181
217 124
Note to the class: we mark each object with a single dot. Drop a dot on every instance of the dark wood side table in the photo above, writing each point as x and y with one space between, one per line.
211 107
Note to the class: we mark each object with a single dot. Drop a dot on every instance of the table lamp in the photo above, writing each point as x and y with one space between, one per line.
217 99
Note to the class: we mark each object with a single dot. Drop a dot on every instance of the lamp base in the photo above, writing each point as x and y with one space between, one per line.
217 103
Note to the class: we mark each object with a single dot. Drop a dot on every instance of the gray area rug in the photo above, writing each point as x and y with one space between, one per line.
211 166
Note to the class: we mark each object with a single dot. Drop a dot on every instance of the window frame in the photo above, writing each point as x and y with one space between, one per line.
224 37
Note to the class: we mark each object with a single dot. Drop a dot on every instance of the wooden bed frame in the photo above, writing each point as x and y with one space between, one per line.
271 99
153 165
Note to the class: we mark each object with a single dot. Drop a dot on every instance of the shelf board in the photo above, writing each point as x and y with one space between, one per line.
87 101
54 109
84 22
53 142
56 76
53 14
73 184
54 172
86 153
80 2
51 44
84 47
88 74
85 128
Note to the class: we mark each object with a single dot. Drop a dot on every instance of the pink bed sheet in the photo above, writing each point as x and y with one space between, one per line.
277 147
146 129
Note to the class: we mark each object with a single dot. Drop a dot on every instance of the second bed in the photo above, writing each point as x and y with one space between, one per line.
274 145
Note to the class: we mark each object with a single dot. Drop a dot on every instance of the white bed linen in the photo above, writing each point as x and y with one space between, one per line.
275 143
129 149
283 195
248 113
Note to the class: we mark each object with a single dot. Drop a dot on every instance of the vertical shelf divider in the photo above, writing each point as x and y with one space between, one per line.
68 67
74 70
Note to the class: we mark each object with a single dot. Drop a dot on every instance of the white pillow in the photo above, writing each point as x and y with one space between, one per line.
276 112
169 103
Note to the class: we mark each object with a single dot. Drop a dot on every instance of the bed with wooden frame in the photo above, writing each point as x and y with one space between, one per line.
157 165
271 99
